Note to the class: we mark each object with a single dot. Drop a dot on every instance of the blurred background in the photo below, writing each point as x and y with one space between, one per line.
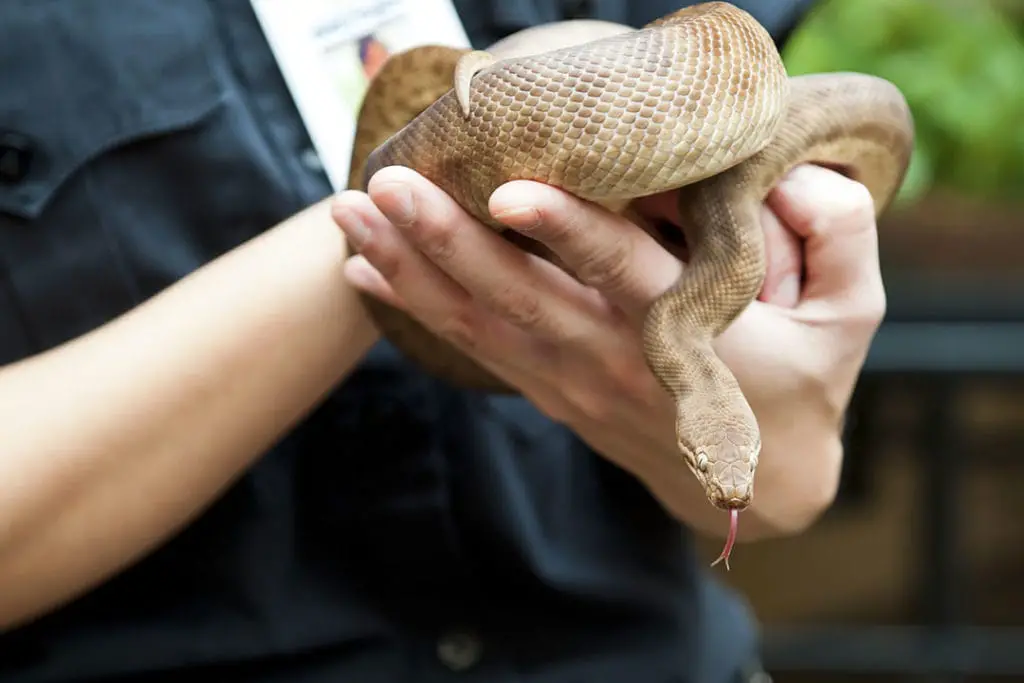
917 574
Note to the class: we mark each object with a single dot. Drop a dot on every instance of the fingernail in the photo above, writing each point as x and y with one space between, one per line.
355 229
521 218
788 291
402 209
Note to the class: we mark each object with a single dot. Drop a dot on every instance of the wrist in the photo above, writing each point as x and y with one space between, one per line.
312 251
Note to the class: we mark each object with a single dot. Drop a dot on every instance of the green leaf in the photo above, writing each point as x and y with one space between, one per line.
959 63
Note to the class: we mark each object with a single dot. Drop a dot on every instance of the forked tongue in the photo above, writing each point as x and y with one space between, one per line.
734 523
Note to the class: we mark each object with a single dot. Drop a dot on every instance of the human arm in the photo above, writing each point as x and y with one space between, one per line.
117 439
575 350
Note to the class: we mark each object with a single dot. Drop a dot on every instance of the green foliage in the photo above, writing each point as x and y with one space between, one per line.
960 66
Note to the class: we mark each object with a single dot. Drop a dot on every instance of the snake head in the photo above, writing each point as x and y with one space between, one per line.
723 457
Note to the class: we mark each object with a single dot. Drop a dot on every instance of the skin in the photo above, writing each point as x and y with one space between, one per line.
116 440
574 349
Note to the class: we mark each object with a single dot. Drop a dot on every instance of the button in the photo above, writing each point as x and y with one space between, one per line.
311 160
16 152
460 650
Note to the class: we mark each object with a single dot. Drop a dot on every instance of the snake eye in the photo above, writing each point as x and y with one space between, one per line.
702 462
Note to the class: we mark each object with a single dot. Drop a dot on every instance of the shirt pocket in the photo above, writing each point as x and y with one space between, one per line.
83 82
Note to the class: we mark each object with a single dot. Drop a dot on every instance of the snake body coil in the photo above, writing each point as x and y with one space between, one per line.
697 101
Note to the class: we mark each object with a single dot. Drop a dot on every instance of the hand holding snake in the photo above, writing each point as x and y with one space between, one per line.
698 100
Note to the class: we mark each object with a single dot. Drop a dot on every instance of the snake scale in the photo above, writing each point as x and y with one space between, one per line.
698 101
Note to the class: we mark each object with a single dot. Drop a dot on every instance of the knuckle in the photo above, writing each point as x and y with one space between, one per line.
437 241
855 206
606 267
860 194
591 405
867 314
388 262
873 313
524 309
811 503
563 224
459 329
631 378
825 381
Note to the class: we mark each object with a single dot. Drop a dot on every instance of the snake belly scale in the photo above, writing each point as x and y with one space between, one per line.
698 101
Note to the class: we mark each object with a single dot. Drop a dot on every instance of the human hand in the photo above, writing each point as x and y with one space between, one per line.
574 348
797 351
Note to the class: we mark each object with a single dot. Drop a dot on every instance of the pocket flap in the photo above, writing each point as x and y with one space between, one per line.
86 76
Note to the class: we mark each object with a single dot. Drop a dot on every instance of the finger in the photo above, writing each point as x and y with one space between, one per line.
423 290
368 279
835 217
604 250
390 269
380 243
519 287
504 350
784 250
784 256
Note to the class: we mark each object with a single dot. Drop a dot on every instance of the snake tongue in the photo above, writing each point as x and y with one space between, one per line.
730 541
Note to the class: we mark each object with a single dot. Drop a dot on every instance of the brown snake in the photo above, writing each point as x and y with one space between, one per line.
698 101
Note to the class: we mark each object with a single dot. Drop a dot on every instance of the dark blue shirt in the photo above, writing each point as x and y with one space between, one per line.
406 531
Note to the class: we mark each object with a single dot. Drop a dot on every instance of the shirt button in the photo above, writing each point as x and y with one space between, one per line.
311 160
460 650
16 152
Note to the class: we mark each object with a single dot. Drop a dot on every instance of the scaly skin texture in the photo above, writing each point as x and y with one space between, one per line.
698 100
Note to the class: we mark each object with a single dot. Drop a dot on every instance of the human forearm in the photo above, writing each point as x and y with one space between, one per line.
115 440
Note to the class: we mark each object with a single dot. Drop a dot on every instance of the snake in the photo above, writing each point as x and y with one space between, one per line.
698 102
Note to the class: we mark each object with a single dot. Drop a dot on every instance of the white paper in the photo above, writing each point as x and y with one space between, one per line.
328 50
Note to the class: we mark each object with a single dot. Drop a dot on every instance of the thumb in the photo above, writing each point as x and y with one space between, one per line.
835 217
